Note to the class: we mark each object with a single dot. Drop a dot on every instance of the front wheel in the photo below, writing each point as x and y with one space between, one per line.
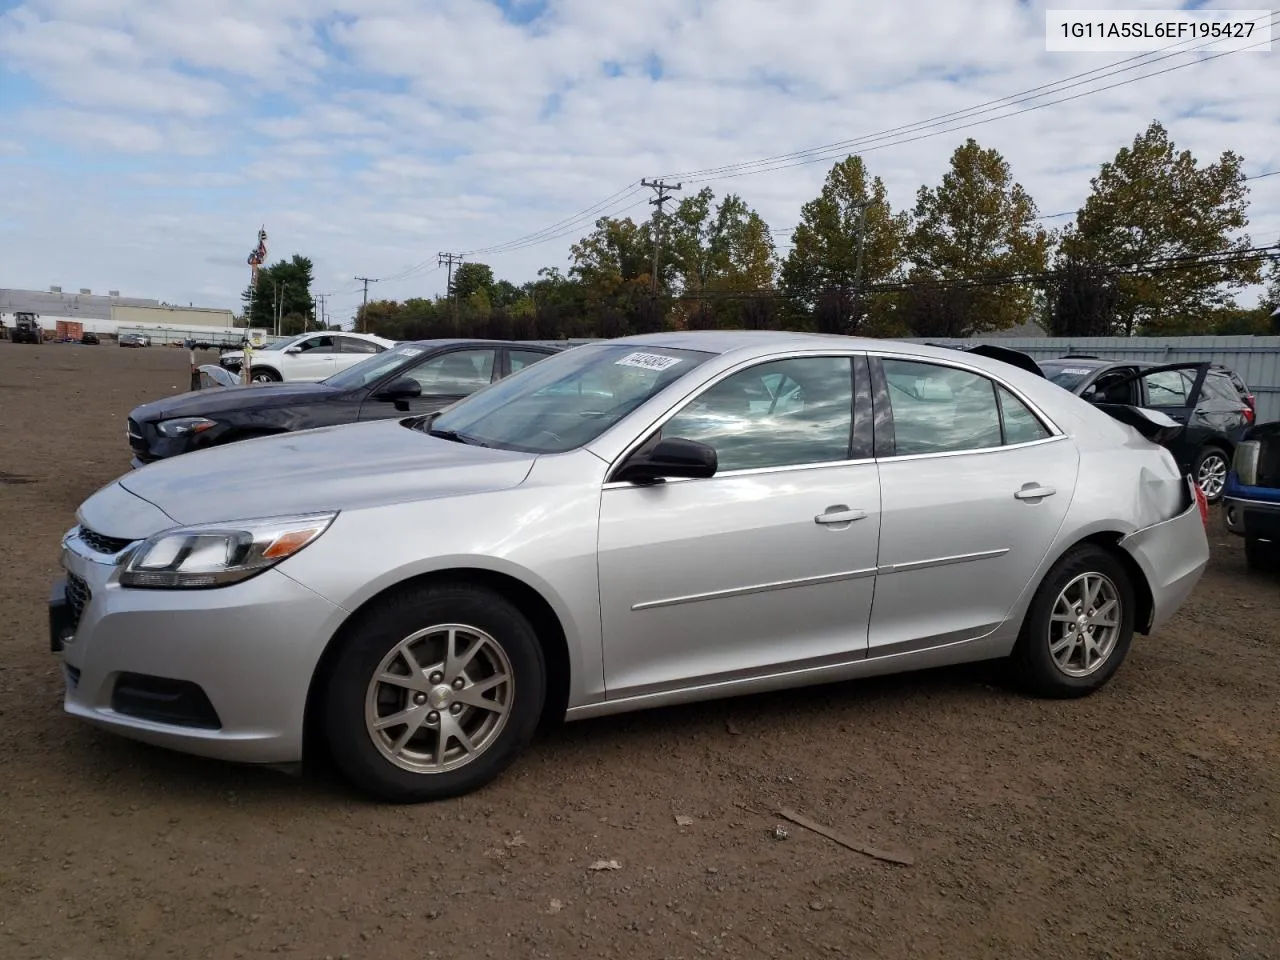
1210 471
434 693
1079 627
264 375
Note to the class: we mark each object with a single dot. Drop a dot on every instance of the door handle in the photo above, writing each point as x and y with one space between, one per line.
840 515
1034 491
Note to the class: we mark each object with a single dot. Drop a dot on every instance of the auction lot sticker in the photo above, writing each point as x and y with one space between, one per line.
647 361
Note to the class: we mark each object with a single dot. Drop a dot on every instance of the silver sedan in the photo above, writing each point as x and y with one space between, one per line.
629 524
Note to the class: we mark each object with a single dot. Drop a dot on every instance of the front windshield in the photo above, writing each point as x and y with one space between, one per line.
567 400
374 368
1064 375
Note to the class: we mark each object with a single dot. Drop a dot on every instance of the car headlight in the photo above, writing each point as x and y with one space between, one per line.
215 555
184 426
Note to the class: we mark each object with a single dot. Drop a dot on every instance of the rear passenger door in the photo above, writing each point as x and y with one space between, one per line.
353 350
974 487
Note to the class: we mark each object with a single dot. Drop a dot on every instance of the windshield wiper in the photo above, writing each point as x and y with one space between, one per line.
456 437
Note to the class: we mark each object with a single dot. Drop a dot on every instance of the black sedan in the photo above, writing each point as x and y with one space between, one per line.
411 379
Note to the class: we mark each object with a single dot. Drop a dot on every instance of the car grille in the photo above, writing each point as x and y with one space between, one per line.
78 595
100 543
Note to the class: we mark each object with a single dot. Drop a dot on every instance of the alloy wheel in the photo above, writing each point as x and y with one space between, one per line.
439 698
1213 475
1085 624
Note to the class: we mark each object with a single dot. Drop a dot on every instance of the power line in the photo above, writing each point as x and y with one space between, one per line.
822 152
450 259
540 236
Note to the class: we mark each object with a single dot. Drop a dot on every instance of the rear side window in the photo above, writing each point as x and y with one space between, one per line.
523 358
1020 424
1220 387
940 409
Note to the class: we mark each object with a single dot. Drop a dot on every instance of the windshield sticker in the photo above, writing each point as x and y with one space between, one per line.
409 351
1075 371
647 361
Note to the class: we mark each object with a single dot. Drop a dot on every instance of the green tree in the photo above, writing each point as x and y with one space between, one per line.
977 221
614 253
471 278
284 289
1153 202
820 274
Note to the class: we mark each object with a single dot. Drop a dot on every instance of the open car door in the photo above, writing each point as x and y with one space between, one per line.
1166 403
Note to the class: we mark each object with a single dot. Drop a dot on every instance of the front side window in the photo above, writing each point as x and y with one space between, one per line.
374 368
317 345
455 374
777 414
939 409
566 400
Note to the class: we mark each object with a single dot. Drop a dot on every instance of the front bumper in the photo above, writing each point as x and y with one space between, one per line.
1173 556
220 673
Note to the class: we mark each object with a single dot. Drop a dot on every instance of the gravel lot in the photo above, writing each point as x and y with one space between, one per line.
1142 822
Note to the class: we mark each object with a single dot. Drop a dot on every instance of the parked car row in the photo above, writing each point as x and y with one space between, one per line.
405 379
611 527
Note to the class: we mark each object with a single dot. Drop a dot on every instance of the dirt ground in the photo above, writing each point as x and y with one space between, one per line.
1143 822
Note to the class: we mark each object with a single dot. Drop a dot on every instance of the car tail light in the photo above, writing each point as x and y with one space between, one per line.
1203 503
1249 414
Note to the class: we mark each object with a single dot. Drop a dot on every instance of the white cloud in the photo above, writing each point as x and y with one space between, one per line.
371 135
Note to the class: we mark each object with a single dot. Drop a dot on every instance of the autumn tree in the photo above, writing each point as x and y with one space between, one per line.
850 219
1083 301
719 255
1154 203
977 221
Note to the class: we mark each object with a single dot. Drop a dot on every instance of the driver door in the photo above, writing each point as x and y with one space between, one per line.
767 566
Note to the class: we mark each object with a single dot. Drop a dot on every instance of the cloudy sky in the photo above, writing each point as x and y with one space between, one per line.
143 142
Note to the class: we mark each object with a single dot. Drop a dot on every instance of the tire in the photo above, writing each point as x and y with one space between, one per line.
422 619
1069 675
1210 471
263 375
1261 555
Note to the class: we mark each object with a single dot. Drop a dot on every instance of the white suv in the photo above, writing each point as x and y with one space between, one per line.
307 356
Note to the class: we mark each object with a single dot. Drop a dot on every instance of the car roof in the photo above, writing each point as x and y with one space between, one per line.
436 342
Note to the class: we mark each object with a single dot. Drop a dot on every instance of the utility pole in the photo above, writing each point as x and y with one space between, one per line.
857 263
448 259
662 189
364 323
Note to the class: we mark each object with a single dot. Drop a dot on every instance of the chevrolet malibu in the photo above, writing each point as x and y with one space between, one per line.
627 524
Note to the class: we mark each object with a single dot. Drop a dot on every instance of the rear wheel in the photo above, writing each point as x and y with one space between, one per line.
1210 471
1079 627
435 692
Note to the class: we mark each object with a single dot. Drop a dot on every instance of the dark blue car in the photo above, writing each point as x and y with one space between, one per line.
1251 498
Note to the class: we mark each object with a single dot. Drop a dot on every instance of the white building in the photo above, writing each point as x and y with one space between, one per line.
112 314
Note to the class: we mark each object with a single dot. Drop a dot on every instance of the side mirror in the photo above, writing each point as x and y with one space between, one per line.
670 457
293 350
1090 394
405 388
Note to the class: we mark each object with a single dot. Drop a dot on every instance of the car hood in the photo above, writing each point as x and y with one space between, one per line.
204 403
332 468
